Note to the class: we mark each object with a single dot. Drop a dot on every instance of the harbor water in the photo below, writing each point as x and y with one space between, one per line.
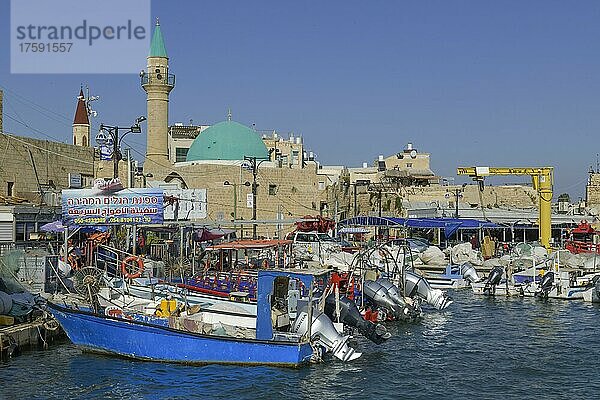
509 348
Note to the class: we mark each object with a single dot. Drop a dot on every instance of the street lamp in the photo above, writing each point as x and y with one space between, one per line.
113 136
235 185
254 165
458 193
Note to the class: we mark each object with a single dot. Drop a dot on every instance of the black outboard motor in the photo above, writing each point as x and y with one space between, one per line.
596 282
493 280
546 284
350 316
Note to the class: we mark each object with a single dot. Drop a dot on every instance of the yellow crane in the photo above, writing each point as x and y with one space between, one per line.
542 178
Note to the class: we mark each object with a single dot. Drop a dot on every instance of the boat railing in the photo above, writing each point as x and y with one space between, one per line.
109 258
582 247
232 281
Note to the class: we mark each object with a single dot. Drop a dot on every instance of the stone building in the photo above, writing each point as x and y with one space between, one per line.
37 170
592 190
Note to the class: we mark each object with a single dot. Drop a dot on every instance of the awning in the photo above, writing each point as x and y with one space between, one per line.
204 235
450 225
55 226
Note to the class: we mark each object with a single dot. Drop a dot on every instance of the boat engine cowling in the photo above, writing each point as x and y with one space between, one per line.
495 276
324 333
418 285
385 294
350 315
379 294
469 273
546 283
493 279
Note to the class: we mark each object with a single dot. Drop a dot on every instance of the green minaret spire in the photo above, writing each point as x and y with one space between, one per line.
157 46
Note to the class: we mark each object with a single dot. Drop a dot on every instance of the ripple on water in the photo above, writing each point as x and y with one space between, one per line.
478 348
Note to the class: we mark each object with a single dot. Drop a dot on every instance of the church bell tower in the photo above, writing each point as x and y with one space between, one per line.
81 123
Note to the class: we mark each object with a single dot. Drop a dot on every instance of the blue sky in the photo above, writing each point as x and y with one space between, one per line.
511 83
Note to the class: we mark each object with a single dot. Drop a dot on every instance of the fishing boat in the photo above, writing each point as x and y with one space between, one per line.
289 330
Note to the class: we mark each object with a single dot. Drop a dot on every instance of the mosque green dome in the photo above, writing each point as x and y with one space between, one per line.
227 140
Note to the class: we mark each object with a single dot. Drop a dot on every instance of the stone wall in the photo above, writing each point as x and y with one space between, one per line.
53 162
290 193
395 201
592 190
1 110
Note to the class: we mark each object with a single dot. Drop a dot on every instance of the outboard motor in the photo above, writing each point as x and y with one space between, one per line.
418 285
493 280
596 281
385 294
350 316
324 333
469 273
546 284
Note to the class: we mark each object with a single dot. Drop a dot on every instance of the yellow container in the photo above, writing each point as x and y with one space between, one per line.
7 320
166 307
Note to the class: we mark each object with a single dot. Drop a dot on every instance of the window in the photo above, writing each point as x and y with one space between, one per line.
295 154
20 232
321 185
302 237
10 189
409 165
272 190
24 230
181 154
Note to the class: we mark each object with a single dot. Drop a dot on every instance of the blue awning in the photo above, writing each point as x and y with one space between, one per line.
450 225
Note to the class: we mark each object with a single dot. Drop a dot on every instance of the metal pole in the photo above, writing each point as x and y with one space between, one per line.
115 136
355 199
129 172
234 201
254 197
134 239
456 213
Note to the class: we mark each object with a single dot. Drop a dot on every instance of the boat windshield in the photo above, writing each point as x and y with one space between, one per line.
323 237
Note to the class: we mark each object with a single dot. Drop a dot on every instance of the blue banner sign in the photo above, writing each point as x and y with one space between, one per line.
107 207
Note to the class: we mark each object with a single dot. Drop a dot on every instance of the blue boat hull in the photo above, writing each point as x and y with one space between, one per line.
159 343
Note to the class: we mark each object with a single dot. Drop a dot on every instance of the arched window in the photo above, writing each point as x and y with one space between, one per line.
75 140
84 141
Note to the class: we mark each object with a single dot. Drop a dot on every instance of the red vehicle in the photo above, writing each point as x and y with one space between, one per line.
583 239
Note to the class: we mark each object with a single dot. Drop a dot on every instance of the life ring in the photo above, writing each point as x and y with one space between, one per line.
138 272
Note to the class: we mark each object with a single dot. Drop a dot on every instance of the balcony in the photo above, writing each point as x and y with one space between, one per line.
157 79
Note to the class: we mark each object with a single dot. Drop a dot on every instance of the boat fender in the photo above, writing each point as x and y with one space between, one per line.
138 272
265 263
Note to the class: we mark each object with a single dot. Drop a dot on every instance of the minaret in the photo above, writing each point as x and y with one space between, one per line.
157 82
81 123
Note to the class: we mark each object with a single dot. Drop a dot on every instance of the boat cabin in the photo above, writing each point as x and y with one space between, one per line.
583 239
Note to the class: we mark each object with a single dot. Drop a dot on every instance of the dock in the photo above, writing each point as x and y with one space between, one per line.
35 334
